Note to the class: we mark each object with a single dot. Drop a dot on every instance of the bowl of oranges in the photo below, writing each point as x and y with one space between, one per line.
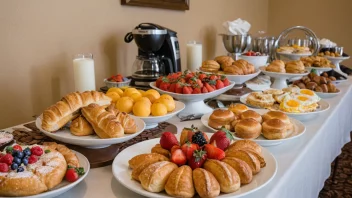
149 105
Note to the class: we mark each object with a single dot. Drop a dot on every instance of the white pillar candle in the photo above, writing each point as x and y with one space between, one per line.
194 55
83 70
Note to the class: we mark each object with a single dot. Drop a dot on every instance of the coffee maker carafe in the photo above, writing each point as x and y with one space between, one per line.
158 53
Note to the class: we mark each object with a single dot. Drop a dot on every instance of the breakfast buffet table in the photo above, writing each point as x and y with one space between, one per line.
303 163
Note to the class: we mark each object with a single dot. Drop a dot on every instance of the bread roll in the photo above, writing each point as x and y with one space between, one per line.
224 61
251 114
205 183
276 66
241 167
210 66
248 129
227 177
154 177
279 115
295 66
275 129
138 159
244 144
180 182
221 118
238 108
160 150
246 156
81 127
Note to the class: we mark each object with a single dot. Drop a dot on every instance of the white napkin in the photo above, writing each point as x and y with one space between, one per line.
237 27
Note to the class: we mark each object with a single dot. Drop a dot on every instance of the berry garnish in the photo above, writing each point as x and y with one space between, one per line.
47 151
72 173
198 138
32 159
36 150
198 159
168 140
188 149
4 168
222 139
17 160
7 159
20 169
25 161
27 152
17 147
214 152
14 166
178 157
19 154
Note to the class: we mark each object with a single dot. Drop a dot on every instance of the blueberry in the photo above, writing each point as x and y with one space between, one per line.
16 160
27 152
20 169
14 166
25 161
19 154
14 153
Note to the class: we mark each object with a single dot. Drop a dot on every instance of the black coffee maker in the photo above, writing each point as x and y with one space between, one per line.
158 53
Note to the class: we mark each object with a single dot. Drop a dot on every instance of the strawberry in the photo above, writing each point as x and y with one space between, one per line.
174 147
209 88
204 90
164 85
72 173
221 139
168 140
186 134
187 90
36 150
158 81
202 76
188 149
196 90
178 157
226 82
4 168
32 159
213 77
178 88
214 152
17 147
198 159
219 84
7 159
172 87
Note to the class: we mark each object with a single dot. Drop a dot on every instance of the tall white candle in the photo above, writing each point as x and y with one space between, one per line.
194 55
83 70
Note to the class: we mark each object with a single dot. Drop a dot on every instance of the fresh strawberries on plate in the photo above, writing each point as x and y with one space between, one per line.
214 152
187 90
178 157
73 173
168 140
188 149
174 147
219 84
198 159
222 139
209 88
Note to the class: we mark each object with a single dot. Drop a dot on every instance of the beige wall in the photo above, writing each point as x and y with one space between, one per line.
38 39
327 18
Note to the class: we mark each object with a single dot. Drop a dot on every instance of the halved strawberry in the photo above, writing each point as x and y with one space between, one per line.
178 157
174 148
188 149
222 139
214 152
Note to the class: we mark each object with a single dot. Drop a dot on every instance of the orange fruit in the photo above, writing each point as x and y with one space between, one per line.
124 104
152 95
129 91
113 95
167 96
170 104
115 89
141 108
144 99
159 109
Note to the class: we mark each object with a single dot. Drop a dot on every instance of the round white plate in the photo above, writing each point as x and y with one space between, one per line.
293 56
65 185
153 121
298 126
319 69
323 106
194 102
340 58
280 78
239 79
123 174
89 141
327 95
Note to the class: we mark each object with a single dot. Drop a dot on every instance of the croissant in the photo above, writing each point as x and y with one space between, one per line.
295 67
57 115
126 120
276 66
105 124
239 67
81 127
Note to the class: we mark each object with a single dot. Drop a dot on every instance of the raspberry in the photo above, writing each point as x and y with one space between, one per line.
7 159
4 168
32 159
37 151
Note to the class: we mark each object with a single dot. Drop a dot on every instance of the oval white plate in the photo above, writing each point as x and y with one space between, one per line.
298 126
89 141
153 121
327 95
123 174
65 185
323 106
194 97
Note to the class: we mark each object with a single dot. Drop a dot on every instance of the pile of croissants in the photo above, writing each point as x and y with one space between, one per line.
226 65
90 112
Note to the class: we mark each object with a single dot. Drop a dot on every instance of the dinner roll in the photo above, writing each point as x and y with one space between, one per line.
238 108
278 115
220 118
274 129
251 114
248 129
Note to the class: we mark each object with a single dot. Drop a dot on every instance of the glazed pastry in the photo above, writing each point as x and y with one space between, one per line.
221 118
104 123
260 100
143 165
276 66
249 158
126 120
244 144
224 61
248 129
138 159
81 127
210 66
279 115
258 156
59 114
295 67
154 177
275 129
227 177
160 150
241 167
239 67
180 183
251 114
238 108
205 183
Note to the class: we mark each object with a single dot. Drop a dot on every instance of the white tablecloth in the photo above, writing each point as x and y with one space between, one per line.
303 163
